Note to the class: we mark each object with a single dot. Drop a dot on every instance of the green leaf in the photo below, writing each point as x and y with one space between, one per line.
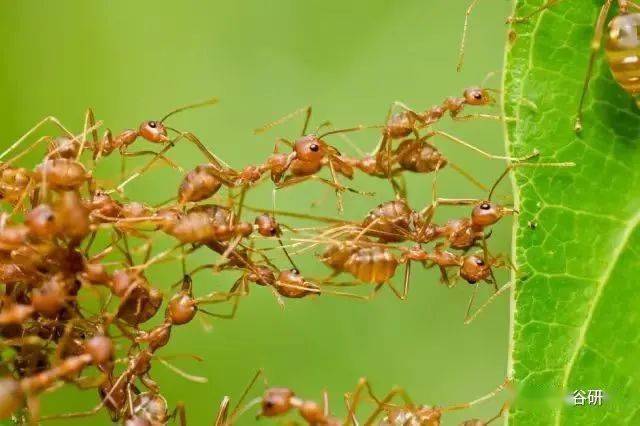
576 323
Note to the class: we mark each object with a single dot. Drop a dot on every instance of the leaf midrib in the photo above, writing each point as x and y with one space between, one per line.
604 279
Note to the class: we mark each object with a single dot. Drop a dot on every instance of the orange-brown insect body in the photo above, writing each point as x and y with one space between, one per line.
372 265
622 50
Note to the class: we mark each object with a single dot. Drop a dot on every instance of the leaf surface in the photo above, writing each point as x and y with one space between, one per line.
576 304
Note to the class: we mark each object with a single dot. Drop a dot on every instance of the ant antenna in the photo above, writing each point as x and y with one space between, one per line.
211 101
464 35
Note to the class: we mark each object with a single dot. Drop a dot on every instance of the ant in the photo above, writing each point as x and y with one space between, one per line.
310 154
276 402
620 47
97 350
409 413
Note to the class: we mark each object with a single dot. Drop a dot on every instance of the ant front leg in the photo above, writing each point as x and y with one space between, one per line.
180 413
595 48
469 318
284 119
49 119
545 6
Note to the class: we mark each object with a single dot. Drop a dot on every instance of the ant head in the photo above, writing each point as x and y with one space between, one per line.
474 268
181 309
477 96
267 225
310 148
153 131
487 213
276 401
42 222
312 412
100 348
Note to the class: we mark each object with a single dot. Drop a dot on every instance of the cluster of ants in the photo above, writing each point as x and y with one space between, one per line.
63 234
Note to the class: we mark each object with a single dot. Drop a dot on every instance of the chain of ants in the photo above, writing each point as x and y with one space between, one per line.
58 210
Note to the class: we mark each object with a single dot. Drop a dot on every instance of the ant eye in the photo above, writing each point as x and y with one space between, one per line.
295 271
479 262
485 206
314 147
478 96
152 124
273 231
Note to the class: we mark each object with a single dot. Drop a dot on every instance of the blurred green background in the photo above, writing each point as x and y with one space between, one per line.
135 60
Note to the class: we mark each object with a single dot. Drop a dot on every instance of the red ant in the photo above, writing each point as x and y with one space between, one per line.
275 402
409 413
310 155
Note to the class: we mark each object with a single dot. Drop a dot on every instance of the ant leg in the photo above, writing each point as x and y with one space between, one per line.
27 150
89 122
467 176
480 151
521 19
181 413
157 156
407 279
503 409
286 118
477 116
334 178
164 158
595 47
472 299
478 400
221 417
388 398
49 119
469 318
465 28
353 399
289 181
154 387
208 154
230 315
515 165
238 409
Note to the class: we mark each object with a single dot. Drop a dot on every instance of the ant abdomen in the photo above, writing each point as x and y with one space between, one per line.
199 184
13 184
622 50
372 265
400 125
389 221
62 173
420 157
